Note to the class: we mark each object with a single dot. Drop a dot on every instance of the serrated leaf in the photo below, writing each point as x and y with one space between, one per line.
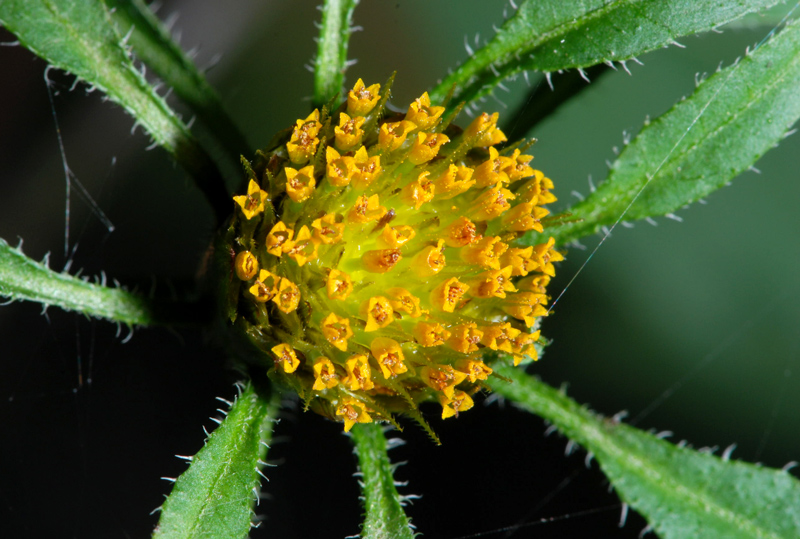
384 516
215 496
152 43
331 61
80 37
22 278
551 36
702 143
681 492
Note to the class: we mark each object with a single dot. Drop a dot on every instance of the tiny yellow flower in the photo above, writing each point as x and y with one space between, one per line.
404 302
288 296
447 295
303 248
389 355
366 209
381 260
358 373
499 336
327 230
453 181
525 216
396 236
421 113
483 131
460 233
336 330
519 259
325 376
443 378
361 99
286 357
518 166
492 284
253 202
392 135
304 141
348 134
426 147
277 238
544 255
300 183
427 334
245 265
465 338
338 285
430 260
352 411
459 402
265 287
340 169
492 171
474 369
367 168
378 311
486 252
419 191
492 203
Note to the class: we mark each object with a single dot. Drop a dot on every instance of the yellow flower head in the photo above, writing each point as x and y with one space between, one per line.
387 260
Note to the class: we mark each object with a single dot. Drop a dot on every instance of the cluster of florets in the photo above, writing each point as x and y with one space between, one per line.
375 259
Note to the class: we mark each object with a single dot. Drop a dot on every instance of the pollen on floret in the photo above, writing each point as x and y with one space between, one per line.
426 147
325 376
389 355
358 373
286 356
252 203
421 113
348 134
277 238
459 402
377 257
336 330
362 99
300 183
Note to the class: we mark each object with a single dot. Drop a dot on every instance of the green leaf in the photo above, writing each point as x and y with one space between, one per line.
331 61
80 37
215 496
385 518
151 43
702 143
681 492
24 279
551 36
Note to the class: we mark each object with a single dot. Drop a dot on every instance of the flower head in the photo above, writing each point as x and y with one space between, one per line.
384 258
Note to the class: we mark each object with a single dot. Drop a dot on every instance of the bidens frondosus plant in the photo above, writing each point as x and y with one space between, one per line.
383 263
376 261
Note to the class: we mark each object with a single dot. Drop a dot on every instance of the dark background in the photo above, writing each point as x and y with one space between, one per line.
90 423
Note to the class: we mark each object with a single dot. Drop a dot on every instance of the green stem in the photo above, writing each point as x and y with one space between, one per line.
332 51
22 278
385 518
152 43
